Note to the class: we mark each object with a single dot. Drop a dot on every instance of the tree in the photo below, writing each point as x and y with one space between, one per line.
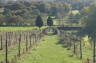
49 21
53 11
15 6
39 21
2 19
90 20
90 25
14 20
41 7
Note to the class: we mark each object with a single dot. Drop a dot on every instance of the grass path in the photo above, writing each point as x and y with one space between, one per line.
48 51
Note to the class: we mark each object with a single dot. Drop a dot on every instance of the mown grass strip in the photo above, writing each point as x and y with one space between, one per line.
49 51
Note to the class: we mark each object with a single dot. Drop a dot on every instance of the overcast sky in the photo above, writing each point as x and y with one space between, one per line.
34 0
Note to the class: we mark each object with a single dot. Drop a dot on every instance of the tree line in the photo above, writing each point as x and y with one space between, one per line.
24 13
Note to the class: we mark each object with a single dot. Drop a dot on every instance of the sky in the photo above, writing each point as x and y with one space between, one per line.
34 0
31 0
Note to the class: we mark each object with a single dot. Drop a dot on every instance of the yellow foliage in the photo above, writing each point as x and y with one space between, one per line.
86 41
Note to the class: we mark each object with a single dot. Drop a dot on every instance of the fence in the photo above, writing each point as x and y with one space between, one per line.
18 42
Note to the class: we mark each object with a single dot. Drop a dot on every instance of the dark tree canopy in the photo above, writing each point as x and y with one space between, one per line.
39 21
49 21
90 20
27 11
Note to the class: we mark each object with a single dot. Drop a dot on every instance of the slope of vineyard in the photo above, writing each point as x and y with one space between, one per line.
49 51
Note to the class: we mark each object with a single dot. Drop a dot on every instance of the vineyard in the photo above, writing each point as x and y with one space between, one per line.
20 46
81 46
48 31
14 44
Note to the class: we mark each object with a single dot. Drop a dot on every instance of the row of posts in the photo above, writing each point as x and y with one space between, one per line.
71 41
17 39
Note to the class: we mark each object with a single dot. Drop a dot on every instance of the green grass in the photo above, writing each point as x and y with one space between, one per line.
48 51
20 28
12 51
16 28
